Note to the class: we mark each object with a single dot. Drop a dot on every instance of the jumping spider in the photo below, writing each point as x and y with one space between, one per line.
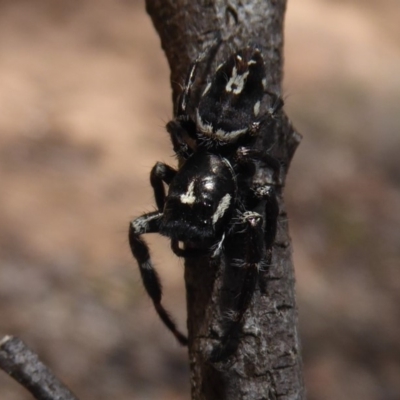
213 197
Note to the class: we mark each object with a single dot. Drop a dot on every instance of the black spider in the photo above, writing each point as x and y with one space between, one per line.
215 198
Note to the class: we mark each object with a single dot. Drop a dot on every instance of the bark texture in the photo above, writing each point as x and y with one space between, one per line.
24 366
267 362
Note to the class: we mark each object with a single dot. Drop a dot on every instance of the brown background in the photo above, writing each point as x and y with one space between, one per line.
84 97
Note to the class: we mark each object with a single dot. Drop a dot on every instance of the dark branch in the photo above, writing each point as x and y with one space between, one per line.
267 363
22 364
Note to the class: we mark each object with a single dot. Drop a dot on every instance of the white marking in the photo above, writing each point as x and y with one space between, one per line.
147 265
252 218
239 58
184 101
209 185
219 67
256 108
236 82
264 83
140 224
228 164
252 62
218 247
222 207
207 88
189 197
250 215
203 126
188 86
262 191
231 135
208 130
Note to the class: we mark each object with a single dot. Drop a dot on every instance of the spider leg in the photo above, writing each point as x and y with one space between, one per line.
161 173
149 223
254 249
217 248
276 104
264 192
187 89
182 129
247 155
182 133
210 53
268 194
186 253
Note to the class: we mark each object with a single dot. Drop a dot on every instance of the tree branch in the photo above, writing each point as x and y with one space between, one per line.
24 366
267 363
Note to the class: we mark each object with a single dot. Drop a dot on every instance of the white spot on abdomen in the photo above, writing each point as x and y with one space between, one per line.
189 197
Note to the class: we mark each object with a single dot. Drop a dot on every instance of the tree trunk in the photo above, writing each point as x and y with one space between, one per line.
267 362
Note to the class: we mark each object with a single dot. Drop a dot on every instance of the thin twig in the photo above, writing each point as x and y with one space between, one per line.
24 366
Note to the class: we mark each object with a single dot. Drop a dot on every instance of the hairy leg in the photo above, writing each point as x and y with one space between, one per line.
149 223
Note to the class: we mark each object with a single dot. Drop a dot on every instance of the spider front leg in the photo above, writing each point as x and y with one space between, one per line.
276 104
245 155
265 192
182 132
182 129
210 53
268 193
186 252
254 250
161 173
149 223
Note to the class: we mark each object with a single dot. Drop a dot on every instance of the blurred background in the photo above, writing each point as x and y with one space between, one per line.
84 97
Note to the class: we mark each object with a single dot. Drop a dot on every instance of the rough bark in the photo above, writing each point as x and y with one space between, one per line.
267 363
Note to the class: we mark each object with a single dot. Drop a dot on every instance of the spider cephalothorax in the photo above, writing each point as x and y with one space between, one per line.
214 196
